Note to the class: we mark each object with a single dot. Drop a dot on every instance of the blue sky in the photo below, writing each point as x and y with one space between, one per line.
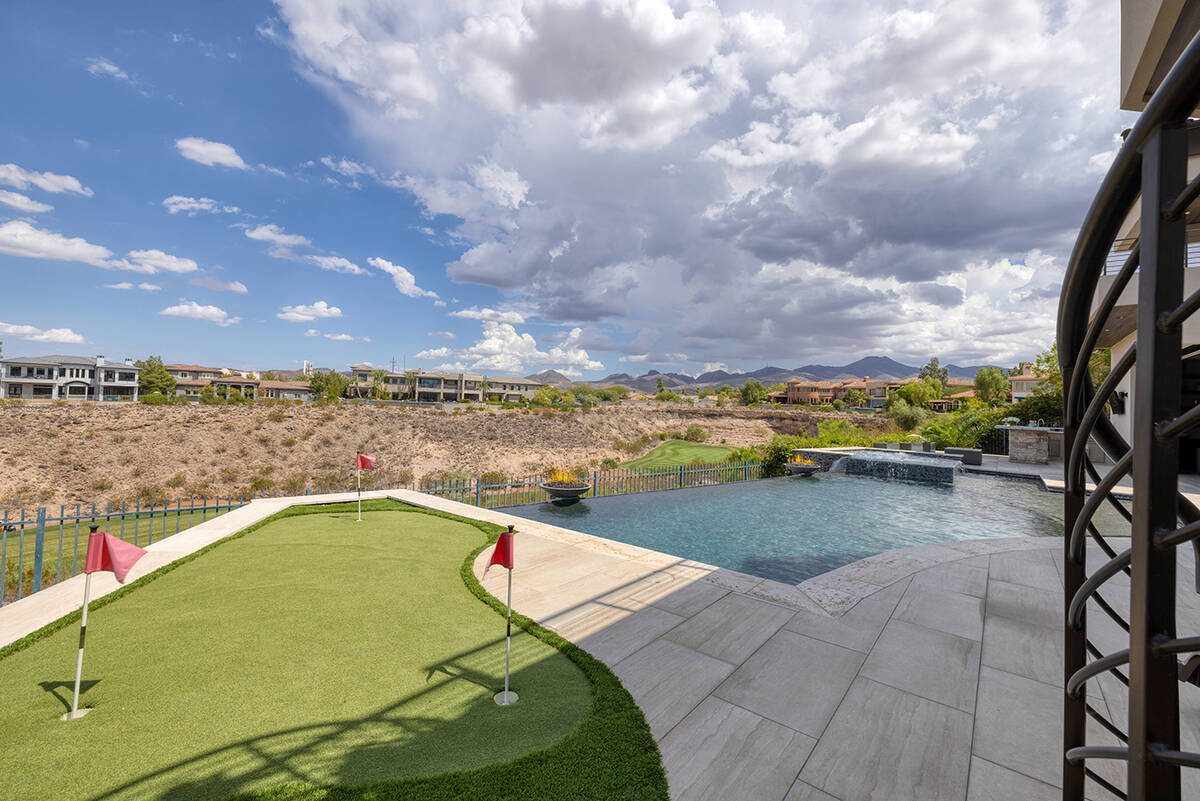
591 186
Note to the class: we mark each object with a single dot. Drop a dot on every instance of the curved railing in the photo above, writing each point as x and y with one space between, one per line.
1152 164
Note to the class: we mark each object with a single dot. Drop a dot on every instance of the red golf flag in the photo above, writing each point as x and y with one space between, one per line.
502 554
106 552
366 462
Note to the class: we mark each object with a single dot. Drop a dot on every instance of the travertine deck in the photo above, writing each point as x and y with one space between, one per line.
937 677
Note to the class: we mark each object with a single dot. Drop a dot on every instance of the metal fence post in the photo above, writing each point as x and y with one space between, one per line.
39 544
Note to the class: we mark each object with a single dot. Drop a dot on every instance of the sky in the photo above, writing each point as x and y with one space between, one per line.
590 186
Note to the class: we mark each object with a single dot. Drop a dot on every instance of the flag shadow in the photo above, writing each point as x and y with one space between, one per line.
367 747
68 688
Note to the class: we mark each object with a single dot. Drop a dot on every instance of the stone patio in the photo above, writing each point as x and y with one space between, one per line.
943 684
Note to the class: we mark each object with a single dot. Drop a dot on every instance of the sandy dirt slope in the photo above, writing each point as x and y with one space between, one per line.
94 452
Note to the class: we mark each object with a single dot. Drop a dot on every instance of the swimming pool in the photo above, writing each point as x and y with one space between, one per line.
790 529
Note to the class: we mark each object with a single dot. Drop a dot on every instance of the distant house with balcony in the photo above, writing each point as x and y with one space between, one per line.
1025 383
68 378
192 372
434 387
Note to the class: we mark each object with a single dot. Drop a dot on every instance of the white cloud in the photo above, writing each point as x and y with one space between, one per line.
103 68
191 206
441 334
19 238
34 334
335 263
312 332
217 285
194 311
151 261
12 175
147 287
404 281
504 349
22 202
340 337
713 366
777 186
492 315
634 357
348 168
306 314
209 153
275 235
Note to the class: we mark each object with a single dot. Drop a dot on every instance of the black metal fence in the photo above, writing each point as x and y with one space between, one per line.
995 442
1150 168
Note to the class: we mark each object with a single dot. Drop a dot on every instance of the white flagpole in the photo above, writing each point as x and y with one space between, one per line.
75 713
507 697
507 636
358 474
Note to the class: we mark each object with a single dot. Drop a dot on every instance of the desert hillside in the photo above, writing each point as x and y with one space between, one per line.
91 452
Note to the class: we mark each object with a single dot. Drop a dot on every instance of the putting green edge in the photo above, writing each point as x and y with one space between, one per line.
610 755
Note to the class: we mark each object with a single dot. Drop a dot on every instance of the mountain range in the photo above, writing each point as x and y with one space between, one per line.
875 367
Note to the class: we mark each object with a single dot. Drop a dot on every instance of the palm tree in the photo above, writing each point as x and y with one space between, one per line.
410 378
377 379
483 388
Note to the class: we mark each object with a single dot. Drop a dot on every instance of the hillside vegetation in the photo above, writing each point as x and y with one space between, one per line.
87 452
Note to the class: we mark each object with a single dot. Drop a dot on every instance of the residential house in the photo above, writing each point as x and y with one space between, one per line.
284 390
227 386
192 372
435 387
69 377
1025 383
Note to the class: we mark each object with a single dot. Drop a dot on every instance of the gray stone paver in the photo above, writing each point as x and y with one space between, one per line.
793 680
721 751
887 745
950 612
926 662
732 628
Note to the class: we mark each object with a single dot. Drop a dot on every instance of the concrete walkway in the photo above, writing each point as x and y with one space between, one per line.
938 675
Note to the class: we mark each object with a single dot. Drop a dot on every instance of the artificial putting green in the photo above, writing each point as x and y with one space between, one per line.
314 649
676 452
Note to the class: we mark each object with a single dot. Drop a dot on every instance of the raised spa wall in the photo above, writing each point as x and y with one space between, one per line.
865 462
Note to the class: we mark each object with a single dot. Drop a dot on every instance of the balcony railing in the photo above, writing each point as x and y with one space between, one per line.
1119 254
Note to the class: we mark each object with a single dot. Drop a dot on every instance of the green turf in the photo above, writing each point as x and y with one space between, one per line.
677 452
314 649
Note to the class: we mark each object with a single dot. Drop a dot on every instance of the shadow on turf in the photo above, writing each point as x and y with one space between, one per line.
279 756
68 687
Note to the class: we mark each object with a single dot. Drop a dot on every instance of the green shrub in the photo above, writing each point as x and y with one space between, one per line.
774 461
176 481
695 433
154 399
294 484
276 416
906 415
963 430
667 395
262 484
741 455
1047 408
493 477
608 464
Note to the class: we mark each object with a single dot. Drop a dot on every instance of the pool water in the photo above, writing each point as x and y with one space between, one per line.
791 529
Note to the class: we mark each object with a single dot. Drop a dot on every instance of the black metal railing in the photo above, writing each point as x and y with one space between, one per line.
1152 163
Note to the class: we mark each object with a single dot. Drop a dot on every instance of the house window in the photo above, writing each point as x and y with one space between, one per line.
14 371
126 377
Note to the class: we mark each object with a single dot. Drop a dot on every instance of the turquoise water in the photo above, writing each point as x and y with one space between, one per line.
790 529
